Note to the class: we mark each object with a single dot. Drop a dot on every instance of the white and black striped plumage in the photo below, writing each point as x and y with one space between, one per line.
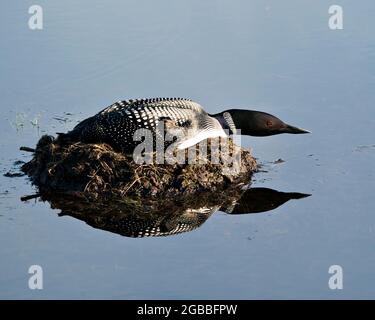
117 123
145 223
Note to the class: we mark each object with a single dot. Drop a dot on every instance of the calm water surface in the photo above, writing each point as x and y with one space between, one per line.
275 56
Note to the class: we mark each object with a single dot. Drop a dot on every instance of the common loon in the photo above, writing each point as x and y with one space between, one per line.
117 123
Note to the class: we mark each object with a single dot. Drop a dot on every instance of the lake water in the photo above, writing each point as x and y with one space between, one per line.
275 56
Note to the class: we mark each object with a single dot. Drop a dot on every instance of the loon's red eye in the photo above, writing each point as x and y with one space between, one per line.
269 123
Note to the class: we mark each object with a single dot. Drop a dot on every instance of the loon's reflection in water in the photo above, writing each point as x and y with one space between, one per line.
153 219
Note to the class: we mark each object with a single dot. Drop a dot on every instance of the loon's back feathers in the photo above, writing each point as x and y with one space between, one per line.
117 123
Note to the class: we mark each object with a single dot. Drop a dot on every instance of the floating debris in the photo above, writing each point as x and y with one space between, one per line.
364 147
278 161
11 174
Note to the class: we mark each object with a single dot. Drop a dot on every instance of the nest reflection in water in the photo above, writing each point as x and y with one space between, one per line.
134 218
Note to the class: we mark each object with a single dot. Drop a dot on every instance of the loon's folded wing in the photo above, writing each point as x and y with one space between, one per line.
208 127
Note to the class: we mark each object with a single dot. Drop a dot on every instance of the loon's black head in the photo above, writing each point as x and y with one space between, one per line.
259 124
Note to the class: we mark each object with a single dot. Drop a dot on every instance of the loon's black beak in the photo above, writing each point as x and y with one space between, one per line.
297 195
294 130
255 200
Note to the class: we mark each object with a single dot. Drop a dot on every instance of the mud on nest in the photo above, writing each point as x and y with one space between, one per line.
97 171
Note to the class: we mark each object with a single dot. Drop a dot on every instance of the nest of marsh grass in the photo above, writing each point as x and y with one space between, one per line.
97 171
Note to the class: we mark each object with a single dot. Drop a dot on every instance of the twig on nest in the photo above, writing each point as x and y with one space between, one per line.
27 149
29 197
